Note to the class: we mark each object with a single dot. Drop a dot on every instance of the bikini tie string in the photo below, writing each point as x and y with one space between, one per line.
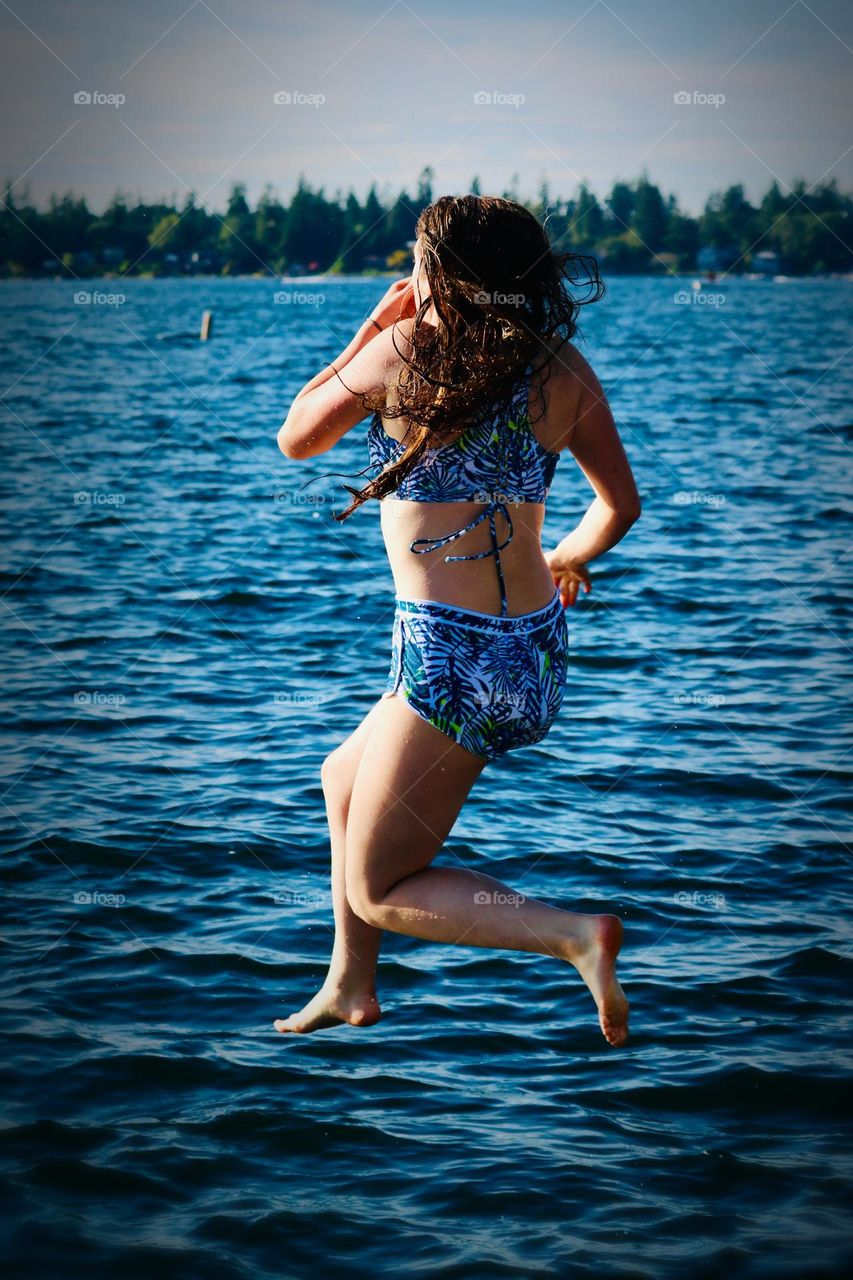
421 546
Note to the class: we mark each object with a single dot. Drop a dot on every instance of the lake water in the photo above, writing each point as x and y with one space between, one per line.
188 634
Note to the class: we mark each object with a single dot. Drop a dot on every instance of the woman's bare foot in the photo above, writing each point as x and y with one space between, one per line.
595 961
329 1008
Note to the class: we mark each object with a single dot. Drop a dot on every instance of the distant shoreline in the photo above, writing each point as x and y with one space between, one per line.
113 277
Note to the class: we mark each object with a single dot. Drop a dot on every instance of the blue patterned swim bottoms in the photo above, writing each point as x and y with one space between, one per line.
491 683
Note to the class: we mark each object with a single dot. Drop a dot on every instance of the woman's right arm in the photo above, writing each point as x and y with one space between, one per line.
594 442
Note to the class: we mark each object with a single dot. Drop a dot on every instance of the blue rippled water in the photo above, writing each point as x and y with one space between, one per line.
188 633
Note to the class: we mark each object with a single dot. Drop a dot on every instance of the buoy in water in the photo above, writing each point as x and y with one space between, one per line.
206 326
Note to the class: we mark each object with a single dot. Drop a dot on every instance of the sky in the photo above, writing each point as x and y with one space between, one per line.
553 90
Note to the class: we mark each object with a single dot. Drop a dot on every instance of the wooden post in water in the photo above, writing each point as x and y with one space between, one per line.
206 326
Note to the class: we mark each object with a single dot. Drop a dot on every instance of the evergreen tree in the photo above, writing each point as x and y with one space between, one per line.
808 226
375 230
236 241
620 206
728 220
424 196
269 229
585 220
542 207
649 218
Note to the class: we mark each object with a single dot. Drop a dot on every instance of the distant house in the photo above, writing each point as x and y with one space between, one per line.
205 261
766 263
710 258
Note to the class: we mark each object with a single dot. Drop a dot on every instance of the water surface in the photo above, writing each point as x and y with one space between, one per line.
189 633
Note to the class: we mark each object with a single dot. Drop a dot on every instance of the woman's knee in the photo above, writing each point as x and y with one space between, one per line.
364 903
338 770
336 776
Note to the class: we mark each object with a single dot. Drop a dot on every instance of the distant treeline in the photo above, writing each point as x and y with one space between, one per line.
635 229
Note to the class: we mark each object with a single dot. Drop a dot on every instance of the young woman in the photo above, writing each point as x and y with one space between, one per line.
471 365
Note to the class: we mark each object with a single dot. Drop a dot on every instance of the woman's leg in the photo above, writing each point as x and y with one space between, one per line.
411 783
348 993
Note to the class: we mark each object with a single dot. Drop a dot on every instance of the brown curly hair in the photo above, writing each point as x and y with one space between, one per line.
500 293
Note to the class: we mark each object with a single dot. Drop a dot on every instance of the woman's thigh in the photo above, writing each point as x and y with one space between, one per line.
411 783
338 770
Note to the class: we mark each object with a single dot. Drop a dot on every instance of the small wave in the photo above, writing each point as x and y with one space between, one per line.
818 962
237 598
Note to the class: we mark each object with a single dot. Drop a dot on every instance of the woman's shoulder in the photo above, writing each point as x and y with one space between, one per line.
562 359
562 391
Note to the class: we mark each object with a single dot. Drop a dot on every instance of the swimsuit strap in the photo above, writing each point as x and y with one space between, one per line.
421 546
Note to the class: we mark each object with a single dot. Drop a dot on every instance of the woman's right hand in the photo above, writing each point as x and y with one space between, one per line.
398 303
568 576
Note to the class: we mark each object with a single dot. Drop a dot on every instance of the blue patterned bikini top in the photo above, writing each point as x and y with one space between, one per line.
495 461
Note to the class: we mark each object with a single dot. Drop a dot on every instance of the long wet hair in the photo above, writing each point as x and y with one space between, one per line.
500 292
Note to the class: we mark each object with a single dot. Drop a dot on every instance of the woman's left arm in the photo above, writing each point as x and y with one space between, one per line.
366 331
325 410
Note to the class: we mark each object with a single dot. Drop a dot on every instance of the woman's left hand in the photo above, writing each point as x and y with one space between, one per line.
398 303
568 576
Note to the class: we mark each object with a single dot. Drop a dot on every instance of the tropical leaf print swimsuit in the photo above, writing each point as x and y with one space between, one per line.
490 682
